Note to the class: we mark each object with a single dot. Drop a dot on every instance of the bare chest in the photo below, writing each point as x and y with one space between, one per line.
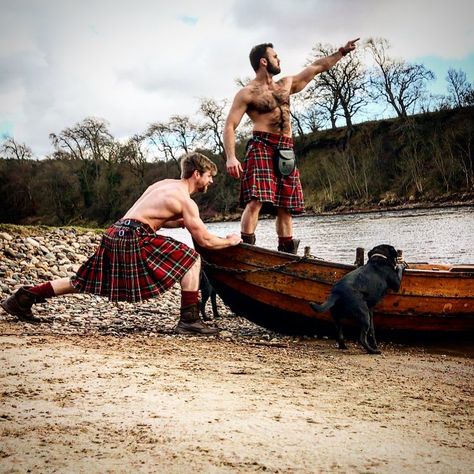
266 101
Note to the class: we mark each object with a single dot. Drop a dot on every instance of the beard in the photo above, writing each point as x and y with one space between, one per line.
203 189
273 70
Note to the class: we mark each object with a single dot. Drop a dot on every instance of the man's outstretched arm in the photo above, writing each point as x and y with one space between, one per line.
301 80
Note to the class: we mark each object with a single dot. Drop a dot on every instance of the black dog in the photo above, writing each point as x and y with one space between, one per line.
207 291
360 290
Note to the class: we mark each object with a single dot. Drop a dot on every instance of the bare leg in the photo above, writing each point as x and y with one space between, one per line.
190 281
284 223
63 286
249 219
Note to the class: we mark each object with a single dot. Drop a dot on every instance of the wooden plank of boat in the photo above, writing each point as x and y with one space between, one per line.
274 289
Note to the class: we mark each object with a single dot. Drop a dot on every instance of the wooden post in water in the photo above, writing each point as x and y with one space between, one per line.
359 261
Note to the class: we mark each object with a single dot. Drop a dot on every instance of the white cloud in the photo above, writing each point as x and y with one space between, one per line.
133 63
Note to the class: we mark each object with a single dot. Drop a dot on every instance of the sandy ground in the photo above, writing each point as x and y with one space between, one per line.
189 404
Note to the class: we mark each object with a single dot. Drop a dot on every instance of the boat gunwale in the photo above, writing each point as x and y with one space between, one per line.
312 260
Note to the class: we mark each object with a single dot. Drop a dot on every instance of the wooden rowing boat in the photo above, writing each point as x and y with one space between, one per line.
273 289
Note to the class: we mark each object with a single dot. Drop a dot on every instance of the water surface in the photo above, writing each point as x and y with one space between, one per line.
430 235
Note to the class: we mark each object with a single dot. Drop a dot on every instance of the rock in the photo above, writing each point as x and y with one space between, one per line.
5 236
33 242
9 252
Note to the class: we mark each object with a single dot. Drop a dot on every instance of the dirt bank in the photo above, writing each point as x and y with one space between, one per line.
92 403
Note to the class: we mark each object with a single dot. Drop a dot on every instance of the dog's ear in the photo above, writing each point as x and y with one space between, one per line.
392 254
371 252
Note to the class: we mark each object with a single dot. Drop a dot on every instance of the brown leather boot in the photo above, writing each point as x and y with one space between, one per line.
19 304
290 247
190 323
248 238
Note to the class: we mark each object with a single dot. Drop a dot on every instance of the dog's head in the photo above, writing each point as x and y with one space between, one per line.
383 254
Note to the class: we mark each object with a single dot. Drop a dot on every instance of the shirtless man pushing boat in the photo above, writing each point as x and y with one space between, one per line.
134 263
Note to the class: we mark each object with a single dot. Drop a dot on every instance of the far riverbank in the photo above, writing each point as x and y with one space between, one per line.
456 200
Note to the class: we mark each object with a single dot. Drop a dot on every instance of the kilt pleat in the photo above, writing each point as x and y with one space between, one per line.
134 264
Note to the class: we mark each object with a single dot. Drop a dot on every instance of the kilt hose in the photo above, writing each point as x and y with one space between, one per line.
259 180
133 263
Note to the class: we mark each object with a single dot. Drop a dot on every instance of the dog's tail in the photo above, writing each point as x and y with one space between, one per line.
329 303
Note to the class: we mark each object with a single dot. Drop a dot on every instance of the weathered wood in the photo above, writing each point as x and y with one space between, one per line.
431 298
359 261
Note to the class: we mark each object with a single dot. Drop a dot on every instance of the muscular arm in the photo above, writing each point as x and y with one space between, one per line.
199 231
301 80
237 111
173 224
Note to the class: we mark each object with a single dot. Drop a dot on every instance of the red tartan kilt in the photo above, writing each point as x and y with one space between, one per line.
259 180
134 264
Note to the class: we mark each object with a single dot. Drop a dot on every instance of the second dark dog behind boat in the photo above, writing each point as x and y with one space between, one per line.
355 294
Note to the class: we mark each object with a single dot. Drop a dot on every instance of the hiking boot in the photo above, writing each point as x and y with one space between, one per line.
190 323
19 304
248 238
290 247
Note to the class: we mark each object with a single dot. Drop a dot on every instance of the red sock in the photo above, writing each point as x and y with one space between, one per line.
284 240
45 290
189 298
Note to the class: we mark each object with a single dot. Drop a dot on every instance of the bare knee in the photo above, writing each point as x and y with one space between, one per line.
253 206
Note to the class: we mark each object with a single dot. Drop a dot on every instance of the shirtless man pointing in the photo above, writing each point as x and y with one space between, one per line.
267 103
133 262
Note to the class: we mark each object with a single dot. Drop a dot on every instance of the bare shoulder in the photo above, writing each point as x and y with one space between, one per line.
168 190
245 94
285 82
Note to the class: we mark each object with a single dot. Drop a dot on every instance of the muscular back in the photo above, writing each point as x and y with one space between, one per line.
160 203
268 106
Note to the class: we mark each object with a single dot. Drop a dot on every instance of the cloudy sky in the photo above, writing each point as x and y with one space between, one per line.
136 62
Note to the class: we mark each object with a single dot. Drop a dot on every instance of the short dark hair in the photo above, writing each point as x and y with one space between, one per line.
196 161
258 52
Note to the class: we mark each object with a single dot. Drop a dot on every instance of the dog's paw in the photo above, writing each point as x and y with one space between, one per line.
402 263
374 351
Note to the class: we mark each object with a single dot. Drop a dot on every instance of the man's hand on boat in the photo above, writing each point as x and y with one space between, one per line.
234 239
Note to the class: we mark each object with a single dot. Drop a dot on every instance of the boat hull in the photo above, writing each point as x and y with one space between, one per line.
274 289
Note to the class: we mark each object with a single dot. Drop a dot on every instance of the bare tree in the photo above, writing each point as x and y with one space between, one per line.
402 84
460 90
306 116
91 143
341 90
173 138
87 140
213 112
18 151
135 153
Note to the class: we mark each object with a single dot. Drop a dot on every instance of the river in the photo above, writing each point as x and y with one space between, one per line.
444 235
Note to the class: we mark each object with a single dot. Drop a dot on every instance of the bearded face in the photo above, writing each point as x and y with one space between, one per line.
273 63
204 181
273 69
